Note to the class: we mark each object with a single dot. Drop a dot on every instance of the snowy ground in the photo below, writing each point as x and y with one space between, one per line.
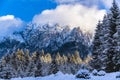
60 76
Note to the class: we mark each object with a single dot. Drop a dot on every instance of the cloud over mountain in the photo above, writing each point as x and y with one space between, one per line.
73 14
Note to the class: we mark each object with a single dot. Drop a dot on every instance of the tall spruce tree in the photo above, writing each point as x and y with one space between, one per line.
97 46
106 43
111 52
116 57
53 67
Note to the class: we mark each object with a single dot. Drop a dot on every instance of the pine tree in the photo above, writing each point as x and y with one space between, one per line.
87 59
20 63
33 57
64 65
38 71
42 56
64 59
14 63
48 58
27 56
20 54
116 57
53 67
58 58
27 64
114 14
6 69
32 66
105 41
97 47
73 59
77 58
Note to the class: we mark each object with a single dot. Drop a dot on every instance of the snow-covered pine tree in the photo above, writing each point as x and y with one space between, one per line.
63 67
46 62
116 57
96 50
105 54
27 64
32 66
6 69
38 65
111 52
38 71
53 67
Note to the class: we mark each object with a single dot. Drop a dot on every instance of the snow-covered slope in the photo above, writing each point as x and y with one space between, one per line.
61 76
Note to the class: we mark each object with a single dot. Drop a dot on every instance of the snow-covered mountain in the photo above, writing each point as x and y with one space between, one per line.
52 39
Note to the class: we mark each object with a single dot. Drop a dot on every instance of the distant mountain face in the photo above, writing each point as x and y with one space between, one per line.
52 39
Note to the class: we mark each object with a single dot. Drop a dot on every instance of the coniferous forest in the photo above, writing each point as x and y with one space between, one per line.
35 52
22 64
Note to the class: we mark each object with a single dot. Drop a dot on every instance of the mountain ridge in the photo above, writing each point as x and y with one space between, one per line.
52 39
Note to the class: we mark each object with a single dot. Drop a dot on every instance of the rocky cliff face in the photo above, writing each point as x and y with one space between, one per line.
50 38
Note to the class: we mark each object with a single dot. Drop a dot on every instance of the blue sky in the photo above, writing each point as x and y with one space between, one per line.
25 9
14 14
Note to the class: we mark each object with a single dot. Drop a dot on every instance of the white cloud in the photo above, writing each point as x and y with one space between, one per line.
73 15
106 3
7 17
9 24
